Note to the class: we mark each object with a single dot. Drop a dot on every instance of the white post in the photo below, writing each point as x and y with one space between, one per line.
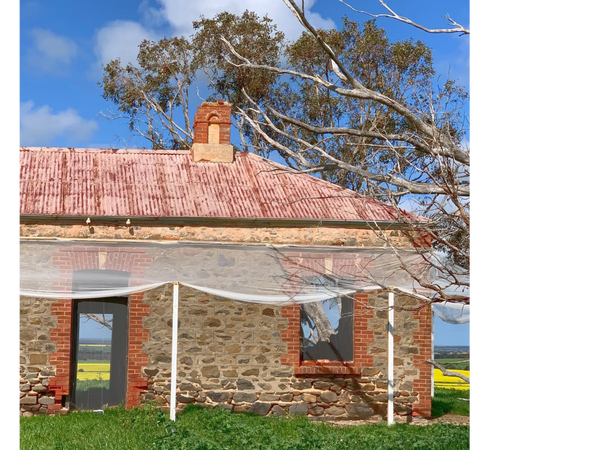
432 354
173 402
390 410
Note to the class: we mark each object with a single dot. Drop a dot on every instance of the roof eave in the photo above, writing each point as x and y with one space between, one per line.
26 219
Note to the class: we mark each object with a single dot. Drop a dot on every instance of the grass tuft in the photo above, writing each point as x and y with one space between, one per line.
447 401
200 428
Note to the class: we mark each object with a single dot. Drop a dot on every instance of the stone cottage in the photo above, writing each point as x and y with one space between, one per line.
106 219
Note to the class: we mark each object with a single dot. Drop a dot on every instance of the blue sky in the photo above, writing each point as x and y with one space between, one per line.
90 329
450 334
64 43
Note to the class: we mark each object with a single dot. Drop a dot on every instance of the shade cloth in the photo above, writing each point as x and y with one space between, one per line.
258 273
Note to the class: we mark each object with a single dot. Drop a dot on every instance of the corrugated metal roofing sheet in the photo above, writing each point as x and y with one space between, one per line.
150 183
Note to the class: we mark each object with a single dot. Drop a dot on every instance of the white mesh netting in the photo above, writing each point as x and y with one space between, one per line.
255 273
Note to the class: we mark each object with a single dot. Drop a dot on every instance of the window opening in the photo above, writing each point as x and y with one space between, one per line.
327 327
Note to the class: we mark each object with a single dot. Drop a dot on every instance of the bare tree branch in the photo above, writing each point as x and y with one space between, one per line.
449 373
357 91
393 15
413 187
100 319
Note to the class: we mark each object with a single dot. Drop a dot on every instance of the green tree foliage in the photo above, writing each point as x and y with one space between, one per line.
397 69
153 95
258 39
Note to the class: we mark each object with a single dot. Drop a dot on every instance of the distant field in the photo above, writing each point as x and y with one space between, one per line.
93 371
441 381
93 352
454 363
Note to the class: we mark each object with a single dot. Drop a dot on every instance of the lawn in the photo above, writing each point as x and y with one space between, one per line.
216 429
450 401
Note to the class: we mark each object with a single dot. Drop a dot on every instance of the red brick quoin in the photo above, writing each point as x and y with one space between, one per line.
70 259
422 385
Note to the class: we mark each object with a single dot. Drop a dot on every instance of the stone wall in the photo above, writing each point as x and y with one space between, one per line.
230 356
234 355
36 347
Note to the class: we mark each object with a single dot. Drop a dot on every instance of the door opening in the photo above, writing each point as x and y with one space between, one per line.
99 360
99 345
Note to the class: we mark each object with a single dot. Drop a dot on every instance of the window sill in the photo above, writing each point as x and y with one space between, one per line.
326 368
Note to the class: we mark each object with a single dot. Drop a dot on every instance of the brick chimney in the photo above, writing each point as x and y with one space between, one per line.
212 124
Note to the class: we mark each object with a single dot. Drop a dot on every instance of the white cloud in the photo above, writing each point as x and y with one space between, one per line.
50 53
180 14
39 126
120 39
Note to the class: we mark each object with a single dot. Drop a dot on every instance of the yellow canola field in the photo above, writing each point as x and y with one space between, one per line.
93 371
440 381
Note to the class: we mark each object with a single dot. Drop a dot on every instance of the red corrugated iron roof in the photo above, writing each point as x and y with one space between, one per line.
167 183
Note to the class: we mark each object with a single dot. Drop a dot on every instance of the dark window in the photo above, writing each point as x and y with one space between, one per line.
327 327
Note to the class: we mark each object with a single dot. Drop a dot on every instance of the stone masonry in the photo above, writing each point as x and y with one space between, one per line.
239 356
36 324
230 356
317 235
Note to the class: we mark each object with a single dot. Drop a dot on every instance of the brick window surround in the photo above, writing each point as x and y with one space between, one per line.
302 266
70 259
362 337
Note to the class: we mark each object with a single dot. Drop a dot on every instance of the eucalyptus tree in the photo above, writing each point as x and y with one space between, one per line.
153 94
372 115
349 106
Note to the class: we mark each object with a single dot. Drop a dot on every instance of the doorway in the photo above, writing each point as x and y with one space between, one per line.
99 353
98 373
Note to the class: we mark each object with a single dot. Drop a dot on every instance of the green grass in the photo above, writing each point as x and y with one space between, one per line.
216 429
18 439
84 385
446 401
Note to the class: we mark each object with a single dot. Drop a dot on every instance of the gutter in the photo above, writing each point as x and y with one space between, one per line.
125 221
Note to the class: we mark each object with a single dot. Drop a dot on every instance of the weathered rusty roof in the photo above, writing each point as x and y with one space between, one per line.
168 184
